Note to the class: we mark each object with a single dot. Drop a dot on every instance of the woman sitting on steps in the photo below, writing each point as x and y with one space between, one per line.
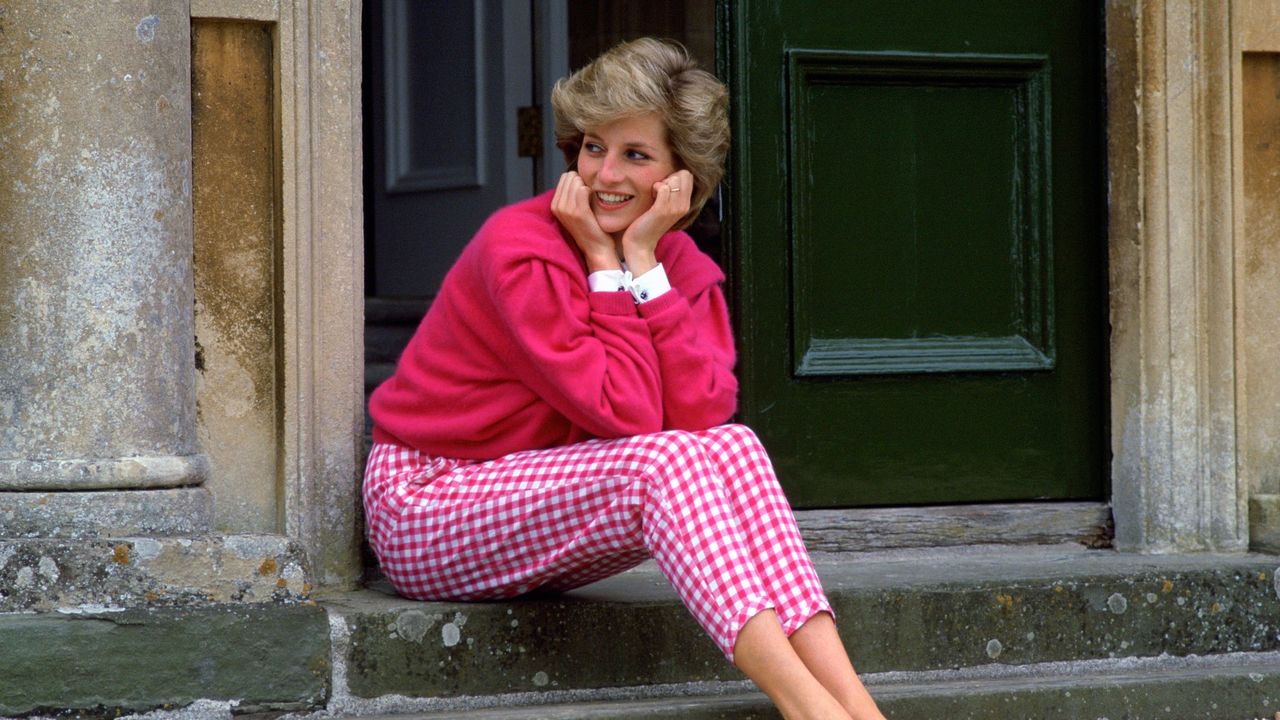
559 415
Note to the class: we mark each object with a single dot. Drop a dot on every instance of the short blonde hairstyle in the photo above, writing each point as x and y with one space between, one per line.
651 76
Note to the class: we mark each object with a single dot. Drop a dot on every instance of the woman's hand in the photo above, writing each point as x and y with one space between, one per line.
571 205
670 203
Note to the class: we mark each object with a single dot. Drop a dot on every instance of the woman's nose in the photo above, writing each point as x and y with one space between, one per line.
610 170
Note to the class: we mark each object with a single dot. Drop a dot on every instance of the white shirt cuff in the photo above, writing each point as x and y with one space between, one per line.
651 285
609 281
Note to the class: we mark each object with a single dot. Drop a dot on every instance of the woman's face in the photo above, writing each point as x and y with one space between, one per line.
620 161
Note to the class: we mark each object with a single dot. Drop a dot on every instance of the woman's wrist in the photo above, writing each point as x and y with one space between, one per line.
640 260
602 261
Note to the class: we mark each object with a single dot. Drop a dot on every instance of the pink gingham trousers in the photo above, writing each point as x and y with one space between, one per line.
705 505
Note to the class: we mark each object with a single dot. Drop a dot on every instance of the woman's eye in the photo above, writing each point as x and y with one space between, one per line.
593 148
637 155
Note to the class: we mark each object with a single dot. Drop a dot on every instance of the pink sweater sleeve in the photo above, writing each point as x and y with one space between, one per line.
694 344
588 355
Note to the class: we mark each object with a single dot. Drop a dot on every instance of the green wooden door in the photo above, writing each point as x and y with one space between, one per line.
918 255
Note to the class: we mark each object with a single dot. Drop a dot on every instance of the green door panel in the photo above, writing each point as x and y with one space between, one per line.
918 259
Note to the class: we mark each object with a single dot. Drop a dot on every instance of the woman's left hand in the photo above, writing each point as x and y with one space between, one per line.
670 203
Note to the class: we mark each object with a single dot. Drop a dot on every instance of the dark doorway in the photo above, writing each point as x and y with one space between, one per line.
444 84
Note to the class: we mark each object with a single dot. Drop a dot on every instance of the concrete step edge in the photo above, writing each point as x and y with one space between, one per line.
912 612
395 311
1082 673
1123 680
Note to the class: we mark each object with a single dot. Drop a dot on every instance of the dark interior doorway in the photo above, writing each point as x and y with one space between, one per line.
443 87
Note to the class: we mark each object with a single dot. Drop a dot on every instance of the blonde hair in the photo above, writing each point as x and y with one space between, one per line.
651 76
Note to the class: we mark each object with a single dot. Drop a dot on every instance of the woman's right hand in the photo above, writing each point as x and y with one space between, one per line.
571 205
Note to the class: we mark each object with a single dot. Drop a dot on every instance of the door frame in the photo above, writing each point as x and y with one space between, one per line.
1154 236
1176 484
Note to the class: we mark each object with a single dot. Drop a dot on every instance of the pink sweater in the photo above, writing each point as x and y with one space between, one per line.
516 353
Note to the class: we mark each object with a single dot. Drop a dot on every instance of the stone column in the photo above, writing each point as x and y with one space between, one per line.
97 357
1176 484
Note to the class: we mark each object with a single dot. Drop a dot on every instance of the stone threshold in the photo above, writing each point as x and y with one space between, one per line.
1028 523
1240 685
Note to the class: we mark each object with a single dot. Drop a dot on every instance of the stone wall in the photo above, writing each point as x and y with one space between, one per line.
99 369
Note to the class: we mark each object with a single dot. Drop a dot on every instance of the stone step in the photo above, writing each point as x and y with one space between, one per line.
922 611
1051 632
389 323
1242 685
375 373
395 311
384 343
105 661
95 627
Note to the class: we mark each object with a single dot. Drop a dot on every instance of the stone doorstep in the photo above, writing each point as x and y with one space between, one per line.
1238 686
900 611
103 663
101 625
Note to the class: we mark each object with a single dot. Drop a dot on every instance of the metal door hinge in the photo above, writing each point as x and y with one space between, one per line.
529 131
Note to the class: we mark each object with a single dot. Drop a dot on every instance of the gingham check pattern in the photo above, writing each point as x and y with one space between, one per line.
705 505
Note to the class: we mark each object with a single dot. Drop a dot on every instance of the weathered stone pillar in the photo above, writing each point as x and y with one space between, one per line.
97 358
1176 484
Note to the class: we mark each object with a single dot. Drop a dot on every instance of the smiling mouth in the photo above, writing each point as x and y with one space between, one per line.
607 198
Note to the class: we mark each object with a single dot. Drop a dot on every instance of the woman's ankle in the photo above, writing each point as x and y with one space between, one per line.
765 655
